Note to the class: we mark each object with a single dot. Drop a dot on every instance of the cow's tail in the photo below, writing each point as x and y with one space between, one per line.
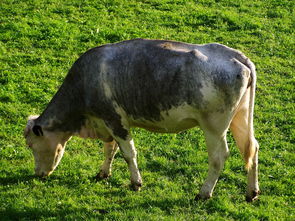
252 146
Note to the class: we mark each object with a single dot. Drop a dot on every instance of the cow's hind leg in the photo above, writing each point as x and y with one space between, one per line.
217 154
110 149
240 131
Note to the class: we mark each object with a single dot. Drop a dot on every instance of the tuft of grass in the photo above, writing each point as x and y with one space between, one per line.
39 40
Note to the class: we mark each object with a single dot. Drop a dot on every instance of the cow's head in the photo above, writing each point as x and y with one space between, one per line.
48 147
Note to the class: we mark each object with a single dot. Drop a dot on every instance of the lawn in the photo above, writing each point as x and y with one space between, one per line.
39 41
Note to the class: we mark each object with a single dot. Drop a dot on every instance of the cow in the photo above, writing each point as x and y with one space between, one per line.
162 86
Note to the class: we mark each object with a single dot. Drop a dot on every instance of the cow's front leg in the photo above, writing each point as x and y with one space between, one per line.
122 136
110 150
130 155
217 154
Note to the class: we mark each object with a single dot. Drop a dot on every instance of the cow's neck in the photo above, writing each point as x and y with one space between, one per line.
65 110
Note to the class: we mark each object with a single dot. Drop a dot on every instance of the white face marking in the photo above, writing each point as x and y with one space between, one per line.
48 152
47 149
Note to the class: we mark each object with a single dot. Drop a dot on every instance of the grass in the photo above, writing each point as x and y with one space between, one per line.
39 40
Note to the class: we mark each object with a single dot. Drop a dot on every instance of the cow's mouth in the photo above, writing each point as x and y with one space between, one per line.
42 174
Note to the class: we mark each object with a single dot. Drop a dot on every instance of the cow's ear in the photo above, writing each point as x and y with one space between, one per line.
30 124
37 130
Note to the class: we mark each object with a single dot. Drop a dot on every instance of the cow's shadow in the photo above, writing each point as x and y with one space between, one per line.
29 213
15 179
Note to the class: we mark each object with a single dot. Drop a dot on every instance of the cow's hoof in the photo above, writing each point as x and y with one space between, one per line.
135 186
101 176
200 197
253 196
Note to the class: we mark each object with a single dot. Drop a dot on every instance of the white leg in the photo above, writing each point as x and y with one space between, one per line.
217 154
130 155
110 150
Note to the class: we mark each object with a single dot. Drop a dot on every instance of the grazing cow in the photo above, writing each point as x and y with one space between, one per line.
162 86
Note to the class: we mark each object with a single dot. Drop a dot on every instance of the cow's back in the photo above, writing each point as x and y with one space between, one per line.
145 79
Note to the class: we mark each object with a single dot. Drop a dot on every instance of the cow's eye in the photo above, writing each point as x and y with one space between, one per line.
29 145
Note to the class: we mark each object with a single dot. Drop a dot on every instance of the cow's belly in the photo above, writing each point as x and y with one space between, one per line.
171 121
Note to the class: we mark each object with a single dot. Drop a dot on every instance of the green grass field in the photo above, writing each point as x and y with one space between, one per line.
39 41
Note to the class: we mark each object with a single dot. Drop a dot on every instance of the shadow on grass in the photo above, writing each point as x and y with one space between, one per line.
15 179
28 213
174 169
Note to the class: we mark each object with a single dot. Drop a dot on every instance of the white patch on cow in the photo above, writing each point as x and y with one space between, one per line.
124 118
172 121
211 97
104 66
107 90
200 55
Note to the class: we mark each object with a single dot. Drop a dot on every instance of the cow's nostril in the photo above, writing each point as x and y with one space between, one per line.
40 174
